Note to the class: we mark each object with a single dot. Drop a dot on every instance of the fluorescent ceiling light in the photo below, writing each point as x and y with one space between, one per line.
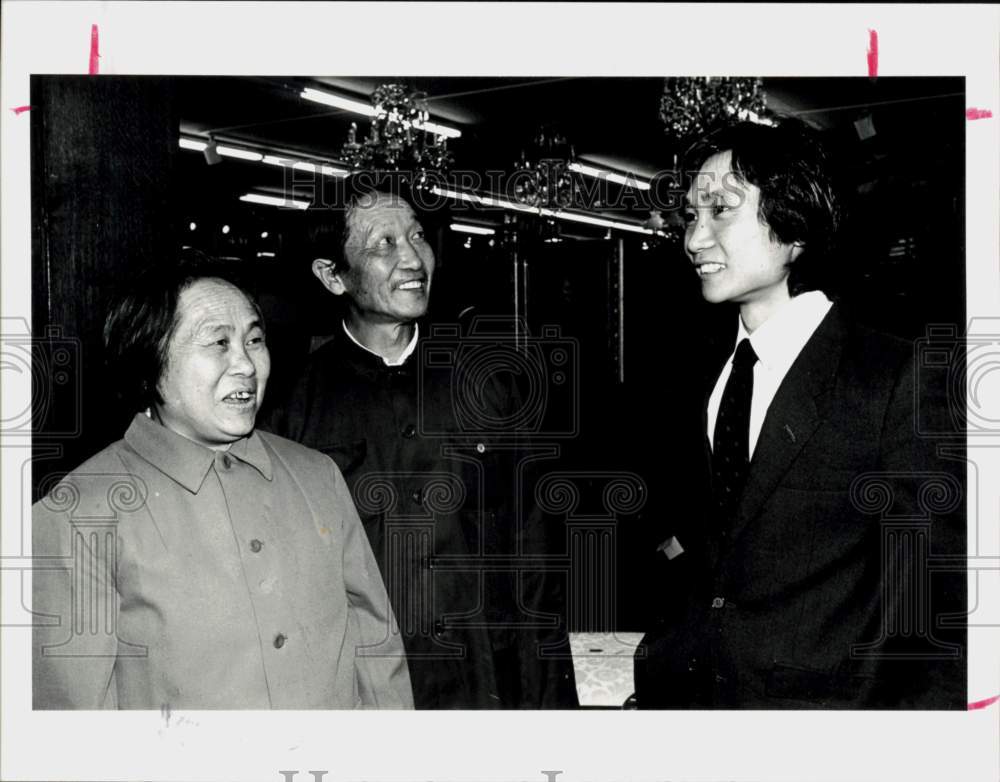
367 110
194 144
467 197
288 203
478 230
305 165
570 216
242 154
440 130
629 180
602 222
329 99
332 171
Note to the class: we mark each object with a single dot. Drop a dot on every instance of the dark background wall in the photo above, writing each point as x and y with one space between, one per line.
111 192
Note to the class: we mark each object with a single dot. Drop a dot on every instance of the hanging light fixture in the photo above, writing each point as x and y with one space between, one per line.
543 179
400 137
690 106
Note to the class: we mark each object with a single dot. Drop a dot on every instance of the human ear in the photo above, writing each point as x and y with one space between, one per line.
797 249
325 271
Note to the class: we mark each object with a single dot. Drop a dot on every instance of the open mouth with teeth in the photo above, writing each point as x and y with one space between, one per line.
240 398
412 285
708 269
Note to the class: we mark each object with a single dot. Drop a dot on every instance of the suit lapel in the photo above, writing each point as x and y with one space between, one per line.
796 411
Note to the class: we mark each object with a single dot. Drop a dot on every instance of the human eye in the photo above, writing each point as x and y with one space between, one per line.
382 242
256 338
690 215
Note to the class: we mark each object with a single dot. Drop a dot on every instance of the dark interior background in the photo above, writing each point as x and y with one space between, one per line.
112 192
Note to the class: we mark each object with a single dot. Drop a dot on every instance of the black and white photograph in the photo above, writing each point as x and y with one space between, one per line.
411 382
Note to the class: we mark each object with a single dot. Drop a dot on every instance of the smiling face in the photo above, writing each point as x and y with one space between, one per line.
389 264
734 253
217 366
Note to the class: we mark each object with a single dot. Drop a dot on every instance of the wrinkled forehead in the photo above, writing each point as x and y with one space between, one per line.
212 300
378 209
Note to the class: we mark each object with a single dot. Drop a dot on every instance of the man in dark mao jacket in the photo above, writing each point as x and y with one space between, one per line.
435 497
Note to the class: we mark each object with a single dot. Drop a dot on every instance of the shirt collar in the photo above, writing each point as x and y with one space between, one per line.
402 356
779 339
184 460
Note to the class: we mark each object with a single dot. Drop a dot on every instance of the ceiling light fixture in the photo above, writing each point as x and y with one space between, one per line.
369 110
690 106
628 180
268 200
478 230
575 217
337 101
241 154
260 155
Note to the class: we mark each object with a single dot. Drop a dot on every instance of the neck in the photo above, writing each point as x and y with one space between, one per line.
389 340
755 313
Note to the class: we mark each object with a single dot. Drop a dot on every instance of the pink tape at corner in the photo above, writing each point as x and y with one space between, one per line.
872 54
978 113
94 53
21 109
983 704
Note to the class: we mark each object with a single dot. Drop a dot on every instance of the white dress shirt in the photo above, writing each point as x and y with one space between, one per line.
777 343
402 356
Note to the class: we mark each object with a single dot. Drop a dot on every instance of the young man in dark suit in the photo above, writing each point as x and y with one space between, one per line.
809 573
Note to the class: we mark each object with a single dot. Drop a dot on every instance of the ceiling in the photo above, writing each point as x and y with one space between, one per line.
609 121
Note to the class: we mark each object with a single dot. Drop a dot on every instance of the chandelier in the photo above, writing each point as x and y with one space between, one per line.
543 179
690 106
398 139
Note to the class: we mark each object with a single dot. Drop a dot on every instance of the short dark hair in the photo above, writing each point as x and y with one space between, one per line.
327 226
143 318
798 197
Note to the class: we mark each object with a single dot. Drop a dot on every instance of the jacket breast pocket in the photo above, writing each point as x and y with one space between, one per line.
347 456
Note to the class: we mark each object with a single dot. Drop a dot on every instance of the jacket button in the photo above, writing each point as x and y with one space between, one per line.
418 496
409 431
718 602
279 640
256 546
480 448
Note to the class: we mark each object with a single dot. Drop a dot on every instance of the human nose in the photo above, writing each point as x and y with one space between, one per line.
240 362
409 256
698 235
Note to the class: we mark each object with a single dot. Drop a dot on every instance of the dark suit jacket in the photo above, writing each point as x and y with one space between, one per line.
830 587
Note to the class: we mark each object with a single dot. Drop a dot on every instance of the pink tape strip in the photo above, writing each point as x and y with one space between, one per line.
978 113
872 54
94 53
21 109
983 704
